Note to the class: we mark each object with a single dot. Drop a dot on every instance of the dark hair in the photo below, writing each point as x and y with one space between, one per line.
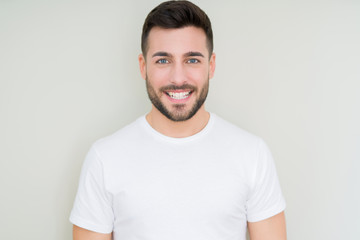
176 14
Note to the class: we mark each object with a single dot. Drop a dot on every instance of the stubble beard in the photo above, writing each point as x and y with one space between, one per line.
178 112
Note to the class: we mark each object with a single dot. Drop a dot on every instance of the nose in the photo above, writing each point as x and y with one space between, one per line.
178 74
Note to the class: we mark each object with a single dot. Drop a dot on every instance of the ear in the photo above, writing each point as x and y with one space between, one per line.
212 65
142 65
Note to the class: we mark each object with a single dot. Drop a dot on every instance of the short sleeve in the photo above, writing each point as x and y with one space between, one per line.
265 198
92 208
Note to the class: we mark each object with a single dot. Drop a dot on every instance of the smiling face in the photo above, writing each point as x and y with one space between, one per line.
177 69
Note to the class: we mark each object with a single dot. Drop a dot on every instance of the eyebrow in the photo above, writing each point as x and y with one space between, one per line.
161 54
188 54
193 54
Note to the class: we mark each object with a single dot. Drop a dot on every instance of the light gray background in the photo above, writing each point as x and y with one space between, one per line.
287 71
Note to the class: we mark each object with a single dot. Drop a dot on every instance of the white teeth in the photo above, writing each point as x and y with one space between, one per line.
178 95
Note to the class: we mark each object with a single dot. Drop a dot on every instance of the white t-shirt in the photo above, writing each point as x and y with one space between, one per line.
140 184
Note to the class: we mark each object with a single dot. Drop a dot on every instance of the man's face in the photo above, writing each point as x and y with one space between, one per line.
177 70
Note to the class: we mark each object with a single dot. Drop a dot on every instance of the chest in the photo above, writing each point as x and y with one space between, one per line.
175 187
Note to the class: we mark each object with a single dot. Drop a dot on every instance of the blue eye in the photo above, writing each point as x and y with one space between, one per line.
162 61
193 60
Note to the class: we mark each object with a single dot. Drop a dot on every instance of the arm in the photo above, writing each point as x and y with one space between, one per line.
84 234
273 228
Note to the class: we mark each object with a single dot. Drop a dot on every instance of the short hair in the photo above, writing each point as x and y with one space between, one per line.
177 14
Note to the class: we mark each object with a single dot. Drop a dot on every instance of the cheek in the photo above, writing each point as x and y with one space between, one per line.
197 75
158 76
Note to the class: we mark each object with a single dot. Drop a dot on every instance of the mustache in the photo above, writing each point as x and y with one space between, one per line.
175 87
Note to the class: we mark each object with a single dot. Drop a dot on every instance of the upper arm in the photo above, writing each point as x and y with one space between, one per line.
93 203
273 228
84 234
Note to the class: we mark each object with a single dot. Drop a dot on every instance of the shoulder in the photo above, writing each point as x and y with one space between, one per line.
234 134
246 151
249 148
125 138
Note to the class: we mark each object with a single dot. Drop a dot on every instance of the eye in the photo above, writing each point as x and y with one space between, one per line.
193 60
162 61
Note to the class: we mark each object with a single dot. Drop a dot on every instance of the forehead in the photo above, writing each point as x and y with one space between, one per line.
177 41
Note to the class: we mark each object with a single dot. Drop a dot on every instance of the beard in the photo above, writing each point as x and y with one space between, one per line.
178 113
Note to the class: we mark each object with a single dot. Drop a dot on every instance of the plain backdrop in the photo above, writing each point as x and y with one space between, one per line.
287 71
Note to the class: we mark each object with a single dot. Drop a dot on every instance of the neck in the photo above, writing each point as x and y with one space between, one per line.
178 129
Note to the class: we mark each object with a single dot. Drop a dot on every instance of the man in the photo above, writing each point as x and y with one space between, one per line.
179 172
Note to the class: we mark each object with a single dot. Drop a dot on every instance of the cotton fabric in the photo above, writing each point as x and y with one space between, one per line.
140 184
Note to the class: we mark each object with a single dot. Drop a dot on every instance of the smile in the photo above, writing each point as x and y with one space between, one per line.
179 95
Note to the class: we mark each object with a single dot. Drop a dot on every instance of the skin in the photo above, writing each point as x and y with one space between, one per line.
84 234
273 228
177 68
168 63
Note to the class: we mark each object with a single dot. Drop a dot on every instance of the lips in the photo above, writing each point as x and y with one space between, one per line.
179 95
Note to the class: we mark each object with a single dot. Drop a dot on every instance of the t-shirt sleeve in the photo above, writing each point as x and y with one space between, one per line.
92 208
265 199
